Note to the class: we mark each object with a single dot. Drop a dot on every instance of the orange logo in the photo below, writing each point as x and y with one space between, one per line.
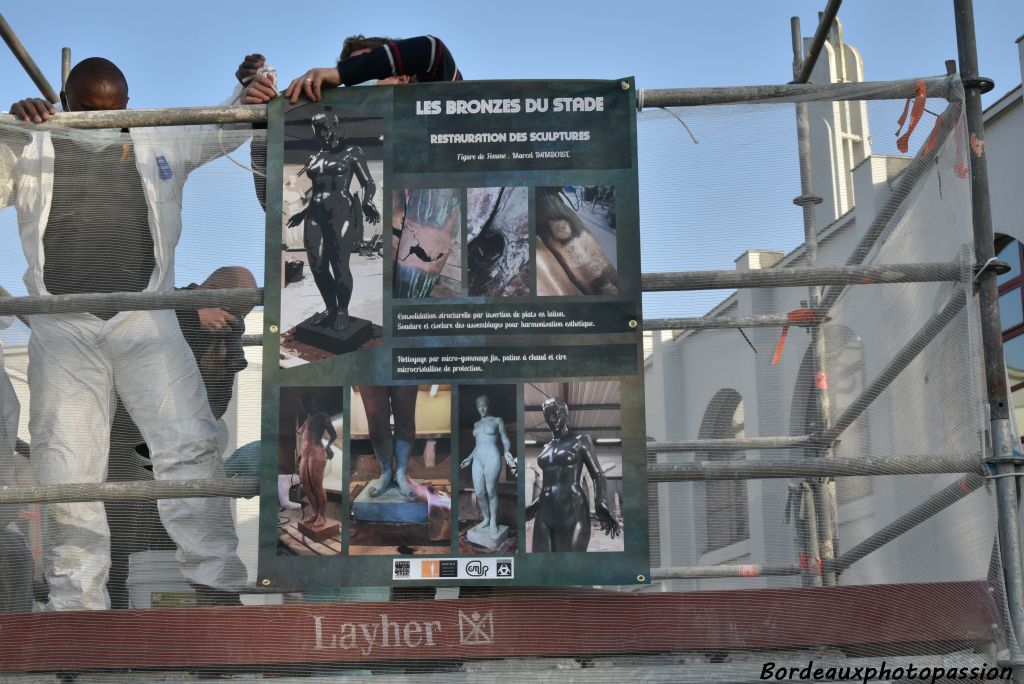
430 568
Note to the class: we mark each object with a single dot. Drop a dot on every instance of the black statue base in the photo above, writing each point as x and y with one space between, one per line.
358 333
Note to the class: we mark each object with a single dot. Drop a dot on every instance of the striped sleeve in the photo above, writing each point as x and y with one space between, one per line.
426 57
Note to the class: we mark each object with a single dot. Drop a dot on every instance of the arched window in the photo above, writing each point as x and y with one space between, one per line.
844 363
725 500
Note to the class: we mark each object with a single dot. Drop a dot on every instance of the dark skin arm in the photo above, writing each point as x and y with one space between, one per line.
33 110
260 88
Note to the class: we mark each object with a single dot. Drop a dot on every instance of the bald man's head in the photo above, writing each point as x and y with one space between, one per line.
94 84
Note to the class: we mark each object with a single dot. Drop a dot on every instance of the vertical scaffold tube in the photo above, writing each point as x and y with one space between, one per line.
995 374
823 488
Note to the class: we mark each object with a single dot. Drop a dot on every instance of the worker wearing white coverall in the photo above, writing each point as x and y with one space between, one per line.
16 563
10 412
77 360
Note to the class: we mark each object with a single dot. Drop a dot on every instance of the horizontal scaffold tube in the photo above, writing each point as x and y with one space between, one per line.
679 472
652 282
801 277
129 491
938 86
730 444
131 301
724 571
142 118
705 323
812 467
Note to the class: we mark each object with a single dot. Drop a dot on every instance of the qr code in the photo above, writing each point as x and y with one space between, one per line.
402 568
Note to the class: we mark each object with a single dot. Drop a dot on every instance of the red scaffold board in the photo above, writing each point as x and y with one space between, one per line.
534 624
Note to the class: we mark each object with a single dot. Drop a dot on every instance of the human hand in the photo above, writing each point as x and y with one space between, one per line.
216 320
467 462
249 66
310 83
531 509
33 110
260 90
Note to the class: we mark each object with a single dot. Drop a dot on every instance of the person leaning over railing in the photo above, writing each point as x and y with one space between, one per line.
215 337
100 211
389 62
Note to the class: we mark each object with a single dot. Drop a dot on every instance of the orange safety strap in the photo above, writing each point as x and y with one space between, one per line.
960 167
802 317
780 345
920 95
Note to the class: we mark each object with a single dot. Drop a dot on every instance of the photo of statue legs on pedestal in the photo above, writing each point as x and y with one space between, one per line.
427 226
327 200
561 513
400 494
309 455
491 512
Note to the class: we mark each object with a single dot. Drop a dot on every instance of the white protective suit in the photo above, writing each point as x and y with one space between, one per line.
10 412
76 361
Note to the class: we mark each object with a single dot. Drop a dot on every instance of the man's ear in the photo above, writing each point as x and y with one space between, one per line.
64 101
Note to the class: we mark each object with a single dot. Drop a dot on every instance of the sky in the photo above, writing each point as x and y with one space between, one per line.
185 53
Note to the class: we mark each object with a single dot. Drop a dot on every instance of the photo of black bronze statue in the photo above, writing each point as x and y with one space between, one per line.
332 218
561 512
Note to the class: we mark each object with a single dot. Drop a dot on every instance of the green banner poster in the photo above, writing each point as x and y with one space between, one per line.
452 377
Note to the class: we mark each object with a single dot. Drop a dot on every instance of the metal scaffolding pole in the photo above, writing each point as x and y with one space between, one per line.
923 163
801 277
1003 439
810 467
802 71
937 86
703 323
680 472
132 490
824 491
652 282
130 301
724 571
944 498
26 61
903 358
729 444
142 118
65 66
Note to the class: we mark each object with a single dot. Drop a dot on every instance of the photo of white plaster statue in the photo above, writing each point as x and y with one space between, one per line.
491 451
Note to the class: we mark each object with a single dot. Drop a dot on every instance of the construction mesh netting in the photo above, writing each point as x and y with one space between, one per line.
747 567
